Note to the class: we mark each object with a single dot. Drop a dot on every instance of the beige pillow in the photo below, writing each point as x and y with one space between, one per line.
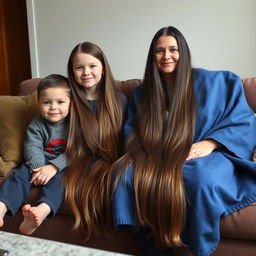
16 112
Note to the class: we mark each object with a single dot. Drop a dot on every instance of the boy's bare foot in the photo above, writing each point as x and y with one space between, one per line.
3 210
33 217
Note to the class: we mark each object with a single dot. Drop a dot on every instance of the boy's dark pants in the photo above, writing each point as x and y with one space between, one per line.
16 189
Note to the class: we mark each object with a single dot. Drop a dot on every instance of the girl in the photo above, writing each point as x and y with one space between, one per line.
95 133
191 136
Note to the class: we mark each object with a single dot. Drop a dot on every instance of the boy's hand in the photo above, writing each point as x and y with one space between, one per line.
42 175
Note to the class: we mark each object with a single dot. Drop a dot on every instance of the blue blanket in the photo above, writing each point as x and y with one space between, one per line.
218 184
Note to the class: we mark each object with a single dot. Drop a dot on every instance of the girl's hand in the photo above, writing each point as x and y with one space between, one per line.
202 148
42 175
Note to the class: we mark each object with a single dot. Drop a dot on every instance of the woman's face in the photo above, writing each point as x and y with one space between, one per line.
167 54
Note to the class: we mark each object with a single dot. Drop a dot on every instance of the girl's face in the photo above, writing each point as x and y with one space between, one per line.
87 71
167 54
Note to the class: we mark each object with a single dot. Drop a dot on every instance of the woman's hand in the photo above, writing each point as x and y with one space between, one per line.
42 175
202 148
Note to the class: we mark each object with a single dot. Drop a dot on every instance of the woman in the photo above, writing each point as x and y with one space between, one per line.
190 137
95 135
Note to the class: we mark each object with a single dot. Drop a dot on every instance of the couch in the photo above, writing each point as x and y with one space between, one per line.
238 230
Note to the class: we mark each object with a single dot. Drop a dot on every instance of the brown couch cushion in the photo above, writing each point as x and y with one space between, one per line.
29 86
127 86
250 91
240 224
16 113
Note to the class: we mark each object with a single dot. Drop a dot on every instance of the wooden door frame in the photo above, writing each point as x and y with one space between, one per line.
14 46
4 64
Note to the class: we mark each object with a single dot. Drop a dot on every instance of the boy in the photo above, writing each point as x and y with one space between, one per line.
45 160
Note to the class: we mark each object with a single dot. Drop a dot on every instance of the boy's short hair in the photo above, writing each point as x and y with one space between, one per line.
51 81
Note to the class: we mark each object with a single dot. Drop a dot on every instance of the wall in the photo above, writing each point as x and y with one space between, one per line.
221 34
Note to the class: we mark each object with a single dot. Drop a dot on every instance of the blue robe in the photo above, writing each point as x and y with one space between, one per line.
217 184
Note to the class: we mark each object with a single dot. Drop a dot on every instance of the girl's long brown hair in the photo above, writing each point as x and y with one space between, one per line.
160 143
93 145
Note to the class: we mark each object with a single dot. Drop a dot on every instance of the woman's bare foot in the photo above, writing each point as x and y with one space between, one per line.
3 210
33 217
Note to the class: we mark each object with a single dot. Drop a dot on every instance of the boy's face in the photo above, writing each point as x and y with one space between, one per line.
54 103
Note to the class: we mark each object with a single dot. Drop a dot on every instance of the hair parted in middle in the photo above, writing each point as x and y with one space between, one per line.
160 143
94 143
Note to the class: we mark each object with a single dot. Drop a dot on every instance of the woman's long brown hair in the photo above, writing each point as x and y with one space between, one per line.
160 143
93 145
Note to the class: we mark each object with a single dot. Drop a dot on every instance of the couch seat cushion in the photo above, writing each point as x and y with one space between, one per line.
240 224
